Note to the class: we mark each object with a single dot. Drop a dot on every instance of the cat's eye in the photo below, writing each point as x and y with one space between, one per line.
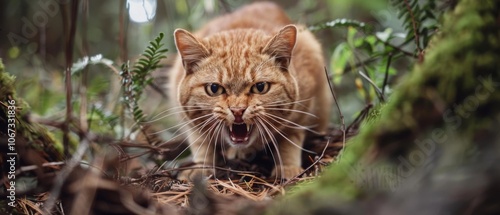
260 88
214 89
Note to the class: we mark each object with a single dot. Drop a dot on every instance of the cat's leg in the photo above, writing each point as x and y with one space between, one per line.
203 156
291 155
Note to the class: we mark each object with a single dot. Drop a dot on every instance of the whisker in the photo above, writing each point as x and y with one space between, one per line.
159 118
213 132
295 125
219 134
182 125
261 134
265 141
275 144
279 103
195 128
286 138
177 107
275 102
153 119
194 141
198 127
209 130
293 110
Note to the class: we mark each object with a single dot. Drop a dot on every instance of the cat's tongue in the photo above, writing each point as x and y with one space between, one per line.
239 133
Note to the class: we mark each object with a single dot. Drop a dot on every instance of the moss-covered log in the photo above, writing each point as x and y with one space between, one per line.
34 144
437 139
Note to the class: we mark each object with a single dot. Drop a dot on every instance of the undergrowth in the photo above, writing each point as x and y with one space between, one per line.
375 54
136 79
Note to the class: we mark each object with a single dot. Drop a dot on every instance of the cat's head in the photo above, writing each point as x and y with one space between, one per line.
238 83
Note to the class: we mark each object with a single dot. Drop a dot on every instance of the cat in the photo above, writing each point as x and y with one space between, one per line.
250 81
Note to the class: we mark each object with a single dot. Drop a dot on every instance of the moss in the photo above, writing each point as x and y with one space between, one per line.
6 83
35 135
440 95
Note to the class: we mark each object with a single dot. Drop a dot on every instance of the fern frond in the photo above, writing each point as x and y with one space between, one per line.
419 20
148 62
135 80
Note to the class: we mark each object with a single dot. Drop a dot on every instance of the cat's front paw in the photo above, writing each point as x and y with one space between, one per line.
286 171
196 171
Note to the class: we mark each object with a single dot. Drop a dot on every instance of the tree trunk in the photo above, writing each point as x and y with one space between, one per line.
433 147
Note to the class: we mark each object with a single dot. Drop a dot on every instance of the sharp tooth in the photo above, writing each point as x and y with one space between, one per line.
231 128
248 127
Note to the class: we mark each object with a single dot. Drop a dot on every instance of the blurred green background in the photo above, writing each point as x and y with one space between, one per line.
33 46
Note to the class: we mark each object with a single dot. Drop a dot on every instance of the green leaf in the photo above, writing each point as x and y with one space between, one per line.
351 34
339 59
413 4
366 46
385 35
148 53
402 13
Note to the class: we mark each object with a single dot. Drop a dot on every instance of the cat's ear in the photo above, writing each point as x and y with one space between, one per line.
192 51
281 45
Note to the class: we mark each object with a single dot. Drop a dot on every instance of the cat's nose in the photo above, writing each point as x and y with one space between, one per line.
238 114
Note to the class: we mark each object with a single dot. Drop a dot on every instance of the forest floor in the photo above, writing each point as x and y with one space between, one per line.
103 188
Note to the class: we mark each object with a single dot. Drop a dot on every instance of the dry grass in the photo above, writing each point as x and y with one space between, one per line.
120 183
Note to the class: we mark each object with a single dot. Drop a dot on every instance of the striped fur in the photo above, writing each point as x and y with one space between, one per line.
254 44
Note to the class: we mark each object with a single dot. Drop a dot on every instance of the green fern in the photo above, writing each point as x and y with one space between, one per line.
147 63
103 120
135 80
419 20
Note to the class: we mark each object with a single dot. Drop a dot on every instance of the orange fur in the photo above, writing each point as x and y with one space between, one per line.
237 55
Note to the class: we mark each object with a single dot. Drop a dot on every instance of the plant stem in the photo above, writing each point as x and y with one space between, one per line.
415 31
386 73
70 39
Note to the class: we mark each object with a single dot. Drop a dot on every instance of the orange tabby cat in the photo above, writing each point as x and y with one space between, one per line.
250 81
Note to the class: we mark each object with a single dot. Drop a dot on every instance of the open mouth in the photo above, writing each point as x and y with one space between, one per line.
240 133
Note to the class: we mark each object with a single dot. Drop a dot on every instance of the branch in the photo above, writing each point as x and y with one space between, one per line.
69 62
330 84
415 30
386 76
